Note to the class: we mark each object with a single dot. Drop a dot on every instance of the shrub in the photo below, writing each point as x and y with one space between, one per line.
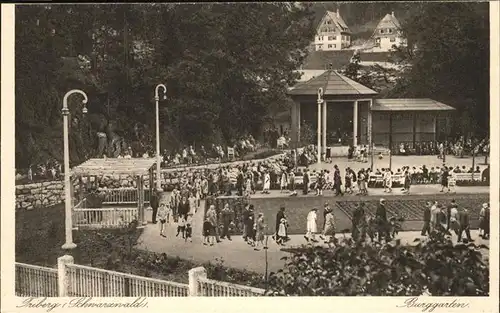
347 268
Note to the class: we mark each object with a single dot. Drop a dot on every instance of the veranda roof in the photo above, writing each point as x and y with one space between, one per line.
113 166
333 84
423 104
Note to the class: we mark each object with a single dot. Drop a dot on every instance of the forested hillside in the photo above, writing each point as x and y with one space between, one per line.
226 67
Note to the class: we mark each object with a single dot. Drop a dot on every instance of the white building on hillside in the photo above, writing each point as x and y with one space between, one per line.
332 33
388 34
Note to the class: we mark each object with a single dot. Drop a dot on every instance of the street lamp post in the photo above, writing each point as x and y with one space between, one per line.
69 244
157 99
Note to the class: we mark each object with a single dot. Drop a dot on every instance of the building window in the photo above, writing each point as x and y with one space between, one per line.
320 38
335 46
393 39
332 37
390 30
381 31
320 47
328 22
329 46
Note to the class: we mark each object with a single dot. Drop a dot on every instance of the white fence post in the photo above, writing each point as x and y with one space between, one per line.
62 277
194 275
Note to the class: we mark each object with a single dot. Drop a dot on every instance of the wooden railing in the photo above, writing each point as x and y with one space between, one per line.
214 288
104 218
87 281
35 281
72 280
124 195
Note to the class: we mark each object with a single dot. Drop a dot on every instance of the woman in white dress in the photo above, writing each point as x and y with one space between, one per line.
267 183
284 181
388 181
312 227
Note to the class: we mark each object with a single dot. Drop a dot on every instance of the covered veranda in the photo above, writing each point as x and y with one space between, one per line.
348 102
120 206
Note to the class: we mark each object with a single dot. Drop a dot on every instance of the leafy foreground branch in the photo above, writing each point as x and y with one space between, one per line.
435 267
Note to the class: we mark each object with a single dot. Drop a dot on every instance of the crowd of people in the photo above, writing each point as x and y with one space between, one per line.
458 147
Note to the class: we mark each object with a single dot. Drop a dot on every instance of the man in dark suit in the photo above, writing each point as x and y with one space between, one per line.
382 223
453 204
306 182
426 229
154 202
464 220
240 182
358 219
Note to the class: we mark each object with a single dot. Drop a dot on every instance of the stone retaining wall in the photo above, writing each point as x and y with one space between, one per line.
37 195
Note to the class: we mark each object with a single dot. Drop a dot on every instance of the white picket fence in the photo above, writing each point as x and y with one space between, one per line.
104 218
124 195
35 281
72 280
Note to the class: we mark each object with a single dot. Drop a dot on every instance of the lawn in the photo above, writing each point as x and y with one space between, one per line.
40 235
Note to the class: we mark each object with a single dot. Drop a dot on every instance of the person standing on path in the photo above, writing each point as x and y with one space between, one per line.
329 226
214 227
426 229
348 181
260 227
249 225
325 212
358 221
227 218
382 223
388 180
484 221
444 179
291 182
279 216
267 183
184 208
452 205
337 181
305 187
312 226
154 202
464 221
162 216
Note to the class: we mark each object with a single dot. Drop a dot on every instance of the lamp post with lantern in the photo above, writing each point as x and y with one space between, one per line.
69 244
157 99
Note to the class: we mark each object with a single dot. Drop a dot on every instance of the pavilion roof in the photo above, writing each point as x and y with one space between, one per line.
113 166
333 84
423 104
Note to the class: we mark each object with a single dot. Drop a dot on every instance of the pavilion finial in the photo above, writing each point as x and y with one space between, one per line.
320 95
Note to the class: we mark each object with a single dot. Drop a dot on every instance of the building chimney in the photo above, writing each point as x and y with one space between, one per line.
338 12
392 13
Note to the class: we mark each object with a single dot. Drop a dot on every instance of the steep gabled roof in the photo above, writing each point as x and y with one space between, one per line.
389 21
337 20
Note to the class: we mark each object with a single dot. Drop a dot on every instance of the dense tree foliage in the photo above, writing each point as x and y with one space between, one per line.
435 267
447 59
225 66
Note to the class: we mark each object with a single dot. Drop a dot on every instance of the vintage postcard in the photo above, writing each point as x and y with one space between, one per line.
157 153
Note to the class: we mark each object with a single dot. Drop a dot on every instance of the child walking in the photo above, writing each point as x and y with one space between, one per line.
189 228
281 235
207 231
163 217
181 227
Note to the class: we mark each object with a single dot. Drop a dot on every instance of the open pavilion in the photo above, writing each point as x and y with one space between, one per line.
353 111
88 175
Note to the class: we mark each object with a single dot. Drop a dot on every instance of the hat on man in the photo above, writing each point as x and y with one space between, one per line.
485 205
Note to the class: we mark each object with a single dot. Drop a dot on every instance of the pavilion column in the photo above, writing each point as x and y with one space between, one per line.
319 131
370 126
298 121
324 128
355 124
295 127
140 204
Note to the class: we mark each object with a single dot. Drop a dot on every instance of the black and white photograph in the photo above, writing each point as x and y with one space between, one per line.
257 149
